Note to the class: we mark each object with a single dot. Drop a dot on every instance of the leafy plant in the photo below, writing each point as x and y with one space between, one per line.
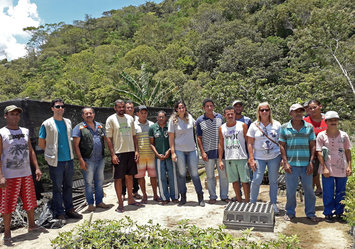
126 233
350 196
145 91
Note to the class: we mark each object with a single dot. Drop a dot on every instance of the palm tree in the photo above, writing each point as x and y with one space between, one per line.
145 91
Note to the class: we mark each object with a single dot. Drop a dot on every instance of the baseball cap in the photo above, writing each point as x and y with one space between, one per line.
237 102
142 107
295 107
11 108
331 114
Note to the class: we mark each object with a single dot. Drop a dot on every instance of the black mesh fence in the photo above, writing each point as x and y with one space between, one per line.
35 112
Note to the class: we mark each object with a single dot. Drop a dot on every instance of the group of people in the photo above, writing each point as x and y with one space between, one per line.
240 149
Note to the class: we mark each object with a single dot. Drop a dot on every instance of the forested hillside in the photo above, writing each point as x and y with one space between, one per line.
255 50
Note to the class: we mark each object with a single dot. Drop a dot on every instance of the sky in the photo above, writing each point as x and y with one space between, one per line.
18 14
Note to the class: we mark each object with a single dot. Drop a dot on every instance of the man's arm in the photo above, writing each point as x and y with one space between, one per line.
2 178
152 146
42 143
200 145
136 153
286 165
312 150
76 141
322 164
114 158
220 148
33 161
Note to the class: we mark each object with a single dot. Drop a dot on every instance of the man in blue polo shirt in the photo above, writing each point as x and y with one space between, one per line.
297 145
55 140
207 138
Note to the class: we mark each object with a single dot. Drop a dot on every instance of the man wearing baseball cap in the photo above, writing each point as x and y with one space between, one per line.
297 145
146 155
16 181
238 109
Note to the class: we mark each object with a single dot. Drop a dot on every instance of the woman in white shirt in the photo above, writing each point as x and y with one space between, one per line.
183 150
263 147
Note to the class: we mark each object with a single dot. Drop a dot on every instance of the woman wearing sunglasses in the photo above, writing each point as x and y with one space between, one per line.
264 149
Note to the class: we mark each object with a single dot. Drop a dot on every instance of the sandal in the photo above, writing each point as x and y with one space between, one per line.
137 196
137 204
157 199
7 241
288 217
119 209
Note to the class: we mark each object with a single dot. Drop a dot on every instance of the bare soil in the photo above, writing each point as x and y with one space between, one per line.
322 235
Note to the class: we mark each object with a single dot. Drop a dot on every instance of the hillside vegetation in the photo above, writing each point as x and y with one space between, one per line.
255 50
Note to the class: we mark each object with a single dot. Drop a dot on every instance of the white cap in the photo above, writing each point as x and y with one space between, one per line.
295 107
237 102
331 114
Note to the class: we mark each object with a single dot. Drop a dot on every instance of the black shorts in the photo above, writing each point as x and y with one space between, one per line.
126 166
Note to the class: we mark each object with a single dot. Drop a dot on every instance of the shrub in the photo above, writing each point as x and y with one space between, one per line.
126 233
350 195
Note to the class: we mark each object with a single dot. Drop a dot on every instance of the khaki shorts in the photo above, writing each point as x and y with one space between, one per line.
237 169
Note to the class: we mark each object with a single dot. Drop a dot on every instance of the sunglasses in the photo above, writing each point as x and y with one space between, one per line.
264 110
59 106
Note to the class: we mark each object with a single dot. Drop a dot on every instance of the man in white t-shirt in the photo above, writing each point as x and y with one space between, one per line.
123 146
15 171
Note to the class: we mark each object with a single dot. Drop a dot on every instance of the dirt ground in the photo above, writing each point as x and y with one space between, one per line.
322 235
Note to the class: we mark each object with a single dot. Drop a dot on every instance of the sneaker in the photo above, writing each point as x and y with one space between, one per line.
74 215
288 217
91 208
276 210
62 219
329 218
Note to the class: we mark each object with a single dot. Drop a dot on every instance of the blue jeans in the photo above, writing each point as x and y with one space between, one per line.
94 175
330 201
62 179
291 188
163 168
273 172
189 159
211 183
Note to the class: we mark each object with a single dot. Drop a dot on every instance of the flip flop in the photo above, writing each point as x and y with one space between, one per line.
137 204
144 201
119 210
7 241
157 199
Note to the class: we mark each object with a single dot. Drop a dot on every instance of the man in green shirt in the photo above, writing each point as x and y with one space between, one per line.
159 142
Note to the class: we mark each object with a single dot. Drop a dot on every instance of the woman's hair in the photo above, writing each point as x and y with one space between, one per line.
315 101
174 116
258 115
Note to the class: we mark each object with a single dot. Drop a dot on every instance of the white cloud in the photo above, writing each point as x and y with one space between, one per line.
13 18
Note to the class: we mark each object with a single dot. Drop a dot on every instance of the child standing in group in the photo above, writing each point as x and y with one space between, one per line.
333 148
232 135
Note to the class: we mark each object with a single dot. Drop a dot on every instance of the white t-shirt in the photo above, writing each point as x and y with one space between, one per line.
234 141
121 129
15 156
264 149
184 135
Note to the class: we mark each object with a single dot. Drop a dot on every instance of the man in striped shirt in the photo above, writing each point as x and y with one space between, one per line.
207 138
297 145
146 155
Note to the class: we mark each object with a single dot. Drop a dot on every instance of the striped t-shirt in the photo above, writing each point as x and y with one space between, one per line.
297 143
142 134
208 130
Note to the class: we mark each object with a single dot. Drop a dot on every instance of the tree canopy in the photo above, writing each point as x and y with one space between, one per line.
254 50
